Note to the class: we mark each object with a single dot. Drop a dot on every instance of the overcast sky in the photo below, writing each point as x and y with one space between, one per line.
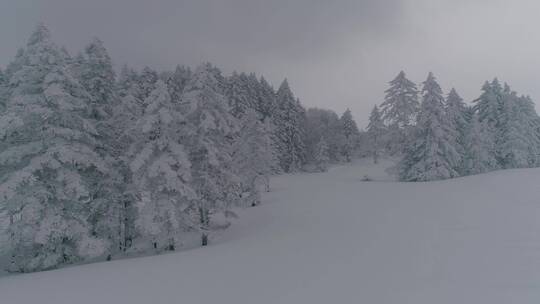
336 54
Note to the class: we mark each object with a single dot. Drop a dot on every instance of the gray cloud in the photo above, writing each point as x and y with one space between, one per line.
336 54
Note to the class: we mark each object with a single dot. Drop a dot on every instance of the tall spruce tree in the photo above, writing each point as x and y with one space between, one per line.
375 131
161 170
51 175
210 143
459 116
290 122
350 134
432 156
399 111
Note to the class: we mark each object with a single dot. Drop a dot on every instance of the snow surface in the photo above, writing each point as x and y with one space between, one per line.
332 238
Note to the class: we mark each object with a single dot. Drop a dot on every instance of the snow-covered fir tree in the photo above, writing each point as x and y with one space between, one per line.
459 116
375 131
323 123
322 156
399 111
517 143
350 134
210 145
161 171
3 90
479 147
147 82
289 132
432 156
400 104
98 77
253 156
266 100
51 176
177 81
239 95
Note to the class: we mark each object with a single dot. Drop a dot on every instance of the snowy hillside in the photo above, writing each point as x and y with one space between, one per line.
332 238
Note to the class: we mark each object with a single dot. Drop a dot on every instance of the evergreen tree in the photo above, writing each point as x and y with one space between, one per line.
400 106
51 175
459 116
399 111
489 104
3 90
322 156
375 132
479 148
238 93
177 81
432 156
253 156
323 123
516 141
161 170
289 121
210 144
350 134
98 77
266 100
147 82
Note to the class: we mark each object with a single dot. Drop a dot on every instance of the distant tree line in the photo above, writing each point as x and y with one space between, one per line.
439 137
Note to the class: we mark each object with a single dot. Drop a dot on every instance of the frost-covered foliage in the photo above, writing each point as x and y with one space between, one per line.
432 156
323 123
400 106
96 167
375 132
351 135
399 111
290 130
210 145
161 170
52 177
322 155
459 116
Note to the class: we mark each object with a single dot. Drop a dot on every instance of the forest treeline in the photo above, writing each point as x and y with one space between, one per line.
95 166
439 137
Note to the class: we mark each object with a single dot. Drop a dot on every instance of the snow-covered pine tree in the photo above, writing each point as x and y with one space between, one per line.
323 123
432 156
210 144
489 104
50 174
266 100
350 134
289 121
96 73
399 111
147 82
240 100
400 104
375 132
126 113
515 139
177 81
3 90
459 116
253 156
479 148
531 128
98 77
161 171
322 156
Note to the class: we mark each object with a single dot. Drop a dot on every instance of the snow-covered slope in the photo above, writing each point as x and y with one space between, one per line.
331 238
